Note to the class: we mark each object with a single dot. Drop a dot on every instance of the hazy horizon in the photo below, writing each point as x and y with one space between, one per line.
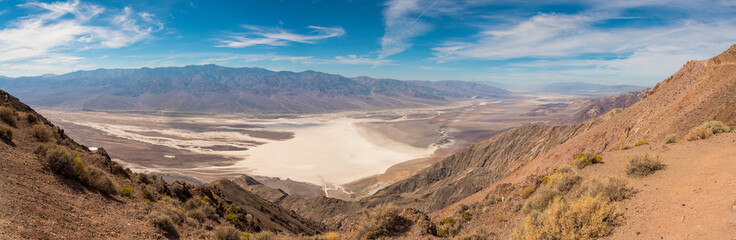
522 43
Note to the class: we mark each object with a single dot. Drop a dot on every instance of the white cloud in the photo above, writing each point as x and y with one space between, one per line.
71 26
278 37
356 60
402 20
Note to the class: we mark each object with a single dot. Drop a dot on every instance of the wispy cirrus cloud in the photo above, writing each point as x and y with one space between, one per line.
278 37
60 28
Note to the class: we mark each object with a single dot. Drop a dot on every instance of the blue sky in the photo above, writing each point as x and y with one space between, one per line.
519 43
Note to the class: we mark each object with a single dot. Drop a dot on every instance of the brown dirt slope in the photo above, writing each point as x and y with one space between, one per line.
699 92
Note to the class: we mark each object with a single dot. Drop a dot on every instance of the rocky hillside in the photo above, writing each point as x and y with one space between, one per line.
53 188
216 89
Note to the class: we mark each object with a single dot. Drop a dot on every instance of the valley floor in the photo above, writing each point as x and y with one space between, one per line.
358 151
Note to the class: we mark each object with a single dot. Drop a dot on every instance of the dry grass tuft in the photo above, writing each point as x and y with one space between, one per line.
8 115
672 138
42 133
644 165
562 179
381 221
164 223
613 189
586 218
541 200
641 142
6 134
528 191
707 130
582 160
227 233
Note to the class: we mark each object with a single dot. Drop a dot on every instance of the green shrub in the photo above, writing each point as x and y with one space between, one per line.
541 200
586 218
6 134
7 114
644 165
231 218
101 181
227 233
164 223
613 189
127 191
672 138
41 133
707 130
381 221
449 227
582 160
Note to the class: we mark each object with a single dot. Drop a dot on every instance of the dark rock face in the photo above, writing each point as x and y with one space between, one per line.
216 89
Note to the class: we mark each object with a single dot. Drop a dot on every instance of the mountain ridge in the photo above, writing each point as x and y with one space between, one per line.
217 89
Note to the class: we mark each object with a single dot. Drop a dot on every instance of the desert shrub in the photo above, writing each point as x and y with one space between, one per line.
641 142
381 221
210 211
541 200
528 191
582 160
6 133
66 162
31 118
707 130
492 199
197 214
231 218
625 147
586 218
227 233
148 194
193 203
99 180
127 191
644 165
164 223
449 227
562 179
41 133
7 114
144 178
331 236
263 235
672 138
613 189
478 235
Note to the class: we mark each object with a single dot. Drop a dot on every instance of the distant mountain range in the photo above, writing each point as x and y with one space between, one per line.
217 89
589 89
